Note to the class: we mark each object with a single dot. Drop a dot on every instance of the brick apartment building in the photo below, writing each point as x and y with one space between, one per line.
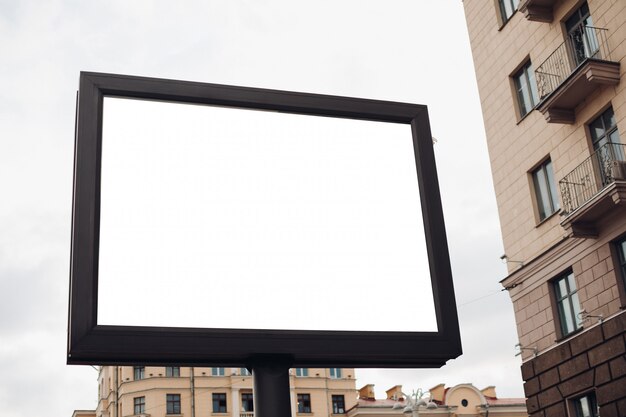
550 75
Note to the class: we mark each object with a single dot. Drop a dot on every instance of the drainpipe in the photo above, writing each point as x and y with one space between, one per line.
116 394
193 393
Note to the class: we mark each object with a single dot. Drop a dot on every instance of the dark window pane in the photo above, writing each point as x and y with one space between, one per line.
219 402
568 305
172 403
526 89
545 190
339 406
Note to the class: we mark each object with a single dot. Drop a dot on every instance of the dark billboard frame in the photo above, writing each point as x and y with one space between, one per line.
90 343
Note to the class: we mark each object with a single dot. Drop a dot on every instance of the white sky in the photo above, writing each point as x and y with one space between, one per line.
411 51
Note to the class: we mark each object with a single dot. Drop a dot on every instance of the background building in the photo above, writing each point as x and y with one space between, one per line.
551 79
200 392
460 400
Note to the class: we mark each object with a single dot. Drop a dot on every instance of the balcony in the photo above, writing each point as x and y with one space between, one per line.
537 10
578 67
593 189
246 414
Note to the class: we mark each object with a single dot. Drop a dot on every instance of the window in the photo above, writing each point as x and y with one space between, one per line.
172 403
139 372
507 8
304 403
217 371
247 402
603 130
585 406
545 190
606 144
526 89
244 372
581 34
172 371
335 373
567 303
219 402
339 405
139 405
302 371
621 253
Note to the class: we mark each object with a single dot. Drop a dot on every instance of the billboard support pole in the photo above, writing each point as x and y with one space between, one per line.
271 391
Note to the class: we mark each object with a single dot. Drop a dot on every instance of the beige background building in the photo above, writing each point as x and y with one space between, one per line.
460 400
551 79
200 392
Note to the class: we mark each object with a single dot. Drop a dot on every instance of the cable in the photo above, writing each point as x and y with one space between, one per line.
480 298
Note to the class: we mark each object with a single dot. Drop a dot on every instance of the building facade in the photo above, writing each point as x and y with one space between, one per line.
550 75
462 400
153 391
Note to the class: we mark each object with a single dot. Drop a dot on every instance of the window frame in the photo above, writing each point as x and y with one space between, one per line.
503 17
525 73
618 250
575 405
90 343
558 309
218 371
302 399
139 373
334 373
338 402
172 404
219 399
172 371
139 405
249 399
608 130
301 372
546 168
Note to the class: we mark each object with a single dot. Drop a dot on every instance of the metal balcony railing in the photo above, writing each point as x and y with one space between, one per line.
602 168
586 42
246 414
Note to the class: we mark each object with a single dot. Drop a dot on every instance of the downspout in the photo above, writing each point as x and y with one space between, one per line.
116 394
193 393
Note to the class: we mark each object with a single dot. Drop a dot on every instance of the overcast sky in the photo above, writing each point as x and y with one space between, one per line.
412 51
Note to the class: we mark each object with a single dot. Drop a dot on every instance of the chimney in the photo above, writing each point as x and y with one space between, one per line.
490 391
394 393
367 392
437 393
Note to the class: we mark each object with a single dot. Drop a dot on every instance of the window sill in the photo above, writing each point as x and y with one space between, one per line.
521 119
548 218
220 413
503 24
569 335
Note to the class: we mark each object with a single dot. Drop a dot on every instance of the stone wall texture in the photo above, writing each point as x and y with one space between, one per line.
593 359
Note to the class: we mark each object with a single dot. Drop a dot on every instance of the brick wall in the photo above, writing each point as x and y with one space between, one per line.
599 284
592 360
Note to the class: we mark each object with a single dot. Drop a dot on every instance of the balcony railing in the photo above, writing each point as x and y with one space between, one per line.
582 44
585 181
246 414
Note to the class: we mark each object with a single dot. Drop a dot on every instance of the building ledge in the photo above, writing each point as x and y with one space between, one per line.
559 106
537 10
583 221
